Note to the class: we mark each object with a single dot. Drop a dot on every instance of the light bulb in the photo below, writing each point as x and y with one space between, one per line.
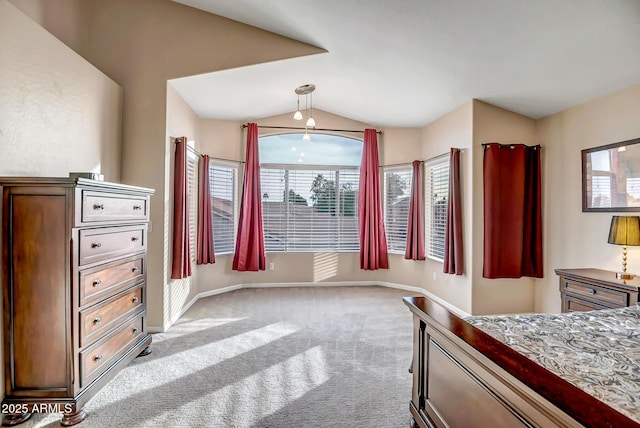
306 137
311 122
293 149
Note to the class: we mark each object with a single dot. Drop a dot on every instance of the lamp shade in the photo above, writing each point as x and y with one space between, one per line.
625 230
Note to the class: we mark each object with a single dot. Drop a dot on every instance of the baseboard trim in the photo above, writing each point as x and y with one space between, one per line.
187 306
412 289
309 284
214 293
459 312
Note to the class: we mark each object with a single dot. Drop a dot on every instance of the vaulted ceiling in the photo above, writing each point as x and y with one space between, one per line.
405 63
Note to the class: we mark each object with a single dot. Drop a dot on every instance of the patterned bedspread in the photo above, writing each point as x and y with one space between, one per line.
597 351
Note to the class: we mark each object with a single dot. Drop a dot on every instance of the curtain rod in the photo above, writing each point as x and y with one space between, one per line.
310 129
421 161
510 145
211 157
399 164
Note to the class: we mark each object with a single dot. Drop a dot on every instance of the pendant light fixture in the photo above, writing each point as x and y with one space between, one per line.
307 91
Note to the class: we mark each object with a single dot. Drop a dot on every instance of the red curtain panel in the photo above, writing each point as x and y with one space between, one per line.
181 262
453 254
250 253
373 241
415 224
206 253
512 211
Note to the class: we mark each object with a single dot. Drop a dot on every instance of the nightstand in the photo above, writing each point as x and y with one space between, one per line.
590 289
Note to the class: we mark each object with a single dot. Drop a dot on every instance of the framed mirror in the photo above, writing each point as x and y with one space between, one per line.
611 177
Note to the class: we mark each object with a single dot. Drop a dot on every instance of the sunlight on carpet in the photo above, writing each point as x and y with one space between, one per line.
186 326
179 364
267 391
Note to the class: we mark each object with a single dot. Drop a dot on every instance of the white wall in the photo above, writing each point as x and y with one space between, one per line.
58 113
454 129
574 239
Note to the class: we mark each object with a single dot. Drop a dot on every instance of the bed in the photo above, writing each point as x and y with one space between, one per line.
511 371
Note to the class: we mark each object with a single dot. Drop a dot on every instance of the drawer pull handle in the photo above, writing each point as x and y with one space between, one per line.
97 320
97 358
135 238
96 245
135 330
592 291
97 283
137 207
135 269
135 299
98 207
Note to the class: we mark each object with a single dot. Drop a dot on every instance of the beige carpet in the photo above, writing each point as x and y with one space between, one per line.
271 357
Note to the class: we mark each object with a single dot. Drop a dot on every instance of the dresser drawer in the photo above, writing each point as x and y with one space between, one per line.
99 357
573 304
99 206
605 296
106 280
98 319
109 242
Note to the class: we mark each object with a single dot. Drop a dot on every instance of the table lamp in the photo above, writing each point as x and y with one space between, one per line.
625 230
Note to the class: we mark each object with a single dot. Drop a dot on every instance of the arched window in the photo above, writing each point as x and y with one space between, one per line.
310 192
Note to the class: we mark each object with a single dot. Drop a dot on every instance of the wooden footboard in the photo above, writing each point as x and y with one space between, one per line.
463 377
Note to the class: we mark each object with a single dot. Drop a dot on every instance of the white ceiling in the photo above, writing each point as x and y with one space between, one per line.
404 63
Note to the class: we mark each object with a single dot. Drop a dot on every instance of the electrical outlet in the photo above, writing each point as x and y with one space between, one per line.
434 275
272 266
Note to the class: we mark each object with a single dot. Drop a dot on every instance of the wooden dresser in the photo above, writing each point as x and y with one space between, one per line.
74 284
590 289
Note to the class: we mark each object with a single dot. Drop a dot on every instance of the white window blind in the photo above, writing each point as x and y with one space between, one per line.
308 209
311 221
192 191
436 201
601 191
272 184
397 195
349 236
223 182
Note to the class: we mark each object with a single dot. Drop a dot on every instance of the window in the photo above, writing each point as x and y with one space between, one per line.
310 196
192 189
223 182
310 209
397 195
436 201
